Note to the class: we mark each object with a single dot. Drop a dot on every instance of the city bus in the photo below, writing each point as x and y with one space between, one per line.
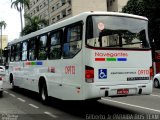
85 57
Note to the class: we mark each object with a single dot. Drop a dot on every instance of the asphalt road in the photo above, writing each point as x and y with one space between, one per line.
21 104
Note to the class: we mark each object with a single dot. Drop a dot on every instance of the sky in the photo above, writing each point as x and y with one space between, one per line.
12 18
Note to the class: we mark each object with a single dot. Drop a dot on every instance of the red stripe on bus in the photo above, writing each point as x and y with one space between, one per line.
28 63
99 59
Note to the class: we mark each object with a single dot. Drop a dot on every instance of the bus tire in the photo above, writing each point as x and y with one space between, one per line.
43 92
1 93
156 83
12 82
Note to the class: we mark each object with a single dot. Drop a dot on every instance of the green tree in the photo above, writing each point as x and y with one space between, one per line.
19 5
2 25
149 9
134 7
33 24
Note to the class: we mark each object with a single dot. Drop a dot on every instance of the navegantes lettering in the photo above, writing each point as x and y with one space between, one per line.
118 54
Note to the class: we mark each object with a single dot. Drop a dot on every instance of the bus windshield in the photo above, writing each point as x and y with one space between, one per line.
117 32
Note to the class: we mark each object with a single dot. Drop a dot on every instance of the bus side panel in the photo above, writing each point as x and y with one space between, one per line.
19 75
73 78
66 82
54 78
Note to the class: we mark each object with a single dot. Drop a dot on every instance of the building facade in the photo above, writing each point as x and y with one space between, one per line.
116 5
57 10
4 41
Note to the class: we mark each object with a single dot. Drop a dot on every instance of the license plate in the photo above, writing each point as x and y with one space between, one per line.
123 91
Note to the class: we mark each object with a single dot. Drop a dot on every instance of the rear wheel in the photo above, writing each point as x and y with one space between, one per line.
156 83
43 92
12 82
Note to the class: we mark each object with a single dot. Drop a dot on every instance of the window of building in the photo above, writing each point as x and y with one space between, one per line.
44 4
37 8
69 1
69 11
40 6
53 8
73 41
58 5
58 17
110 2
42 52
53 20
30 5
64 13
63 2
55 45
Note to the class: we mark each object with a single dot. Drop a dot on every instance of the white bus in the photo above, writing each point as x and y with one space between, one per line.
88 56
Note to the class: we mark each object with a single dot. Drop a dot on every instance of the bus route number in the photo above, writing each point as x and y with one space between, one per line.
69 69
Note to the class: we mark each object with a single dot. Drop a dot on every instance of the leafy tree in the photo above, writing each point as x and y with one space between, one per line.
33 24
2 25
134 7
19 5
149 9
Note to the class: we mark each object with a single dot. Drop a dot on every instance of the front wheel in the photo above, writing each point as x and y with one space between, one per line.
43 93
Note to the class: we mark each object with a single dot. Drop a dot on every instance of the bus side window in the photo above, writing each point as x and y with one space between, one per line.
55 45
42 49
18 52
73 41
12 53
24 50
32 49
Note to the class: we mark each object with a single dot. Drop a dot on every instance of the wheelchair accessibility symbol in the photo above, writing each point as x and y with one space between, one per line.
102 73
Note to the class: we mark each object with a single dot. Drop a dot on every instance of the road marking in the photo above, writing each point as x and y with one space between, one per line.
33 106
12 95
22 100
5 91
155 95
131 105
50 114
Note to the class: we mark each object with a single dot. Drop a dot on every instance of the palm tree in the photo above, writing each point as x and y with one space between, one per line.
33 24
19 5
2 25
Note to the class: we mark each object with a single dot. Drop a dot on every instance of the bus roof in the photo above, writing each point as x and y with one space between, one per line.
76 18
